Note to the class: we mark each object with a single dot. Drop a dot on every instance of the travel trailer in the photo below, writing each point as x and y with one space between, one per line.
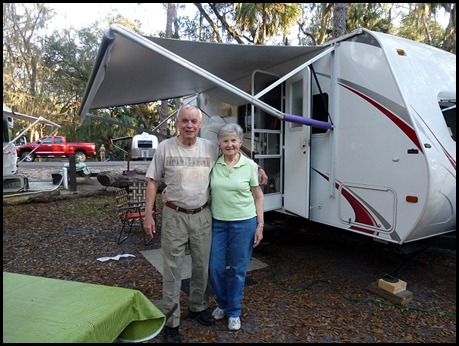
143 146
9 149
358 133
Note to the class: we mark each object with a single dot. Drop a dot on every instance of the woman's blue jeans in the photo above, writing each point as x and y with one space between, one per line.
232 242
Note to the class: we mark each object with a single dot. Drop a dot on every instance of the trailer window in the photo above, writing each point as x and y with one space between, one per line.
450 118
447 103
7 126
320 110
145 144
296 101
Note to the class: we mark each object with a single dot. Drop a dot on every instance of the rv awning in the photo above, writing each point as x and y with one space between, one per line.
132 69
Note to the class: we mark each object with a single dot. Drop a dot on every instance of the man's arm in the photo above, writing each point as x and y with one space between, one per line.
262 177
150 197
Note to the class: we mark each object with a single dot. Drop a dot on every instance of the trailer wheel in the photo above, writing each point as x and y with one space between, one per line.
26 156
80 155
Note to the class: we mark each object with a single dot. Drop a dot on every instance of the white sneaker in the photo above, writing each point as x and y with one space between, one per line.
218 313
234 323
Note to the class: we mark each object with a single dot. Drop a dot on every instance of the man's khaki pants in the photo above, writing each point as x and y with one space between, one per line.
179 230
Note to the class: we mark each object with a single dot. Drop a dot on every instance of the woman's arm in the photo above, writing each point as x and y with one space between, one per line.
258 197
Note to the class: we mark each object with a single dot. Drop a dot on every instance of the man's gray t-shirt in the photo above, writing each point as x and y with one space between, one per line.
185 170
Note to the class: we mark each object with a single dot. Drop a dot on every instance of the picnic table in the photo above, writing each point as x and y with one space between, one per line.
39 309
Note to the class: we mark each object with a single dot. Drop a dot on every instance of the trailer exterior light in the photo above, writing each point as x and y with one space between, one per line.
401 52
411 199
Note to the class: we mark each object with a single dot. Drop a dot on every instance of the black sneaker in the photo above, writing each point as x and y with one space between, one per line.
172 336
204 317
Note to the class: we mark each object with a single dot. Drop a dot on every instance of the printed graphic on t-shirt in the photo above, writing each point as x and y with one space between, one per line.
188 161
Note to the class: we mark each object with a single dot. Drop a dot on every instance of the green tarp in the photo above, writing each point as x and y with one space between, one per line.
38 309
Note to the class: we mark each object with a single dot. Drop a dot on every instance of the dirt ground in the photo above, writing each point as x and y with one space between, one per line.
315 288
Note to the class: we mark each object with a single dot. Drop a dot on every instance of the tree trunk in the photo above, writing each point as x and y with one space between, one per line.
339 19
171 18
120 180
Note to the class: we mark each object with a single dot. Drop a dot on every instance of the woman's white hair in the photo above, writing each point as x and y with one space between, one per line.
230 129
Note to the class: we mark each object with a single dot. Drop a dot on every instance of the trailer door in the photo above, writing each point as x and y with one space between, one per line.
297 145
266 137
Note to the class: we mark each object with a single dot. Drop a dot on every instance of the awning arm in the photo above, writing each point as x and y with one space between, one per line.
293 72
33 120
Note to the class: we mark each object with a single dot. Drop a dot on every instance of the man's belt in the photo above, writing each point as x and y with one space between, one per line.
186 211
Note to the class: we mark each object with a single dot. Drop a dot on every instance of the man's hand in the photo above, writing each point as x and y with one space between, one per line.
262 177
163 196
149 226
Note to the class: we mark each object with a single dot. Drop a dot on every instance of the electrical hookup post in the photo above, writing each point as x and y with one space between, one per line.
72 174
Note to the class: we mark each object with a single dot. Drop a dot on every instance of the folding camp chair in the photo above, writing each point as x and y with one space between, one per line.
131 210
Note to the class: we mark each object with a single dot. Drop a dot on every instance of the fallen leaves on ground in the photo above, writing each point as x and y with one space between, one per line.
313 290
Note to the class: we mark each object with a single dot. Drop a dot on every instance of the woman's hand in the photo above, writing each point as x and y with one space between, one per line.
258 235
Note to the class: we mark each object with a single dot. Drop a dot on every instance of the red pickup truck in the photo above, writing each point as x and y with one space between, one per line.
55 146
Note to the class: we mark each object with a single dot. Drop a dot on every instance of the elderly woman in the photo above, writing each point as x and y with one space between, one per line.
237 205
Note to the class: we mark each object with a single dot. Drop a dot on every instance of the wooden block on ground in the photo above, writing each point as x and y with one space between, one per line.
392 285
401 298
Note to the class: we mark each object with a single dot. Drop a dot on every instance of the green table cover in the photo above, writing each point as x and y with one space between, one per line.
38 309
